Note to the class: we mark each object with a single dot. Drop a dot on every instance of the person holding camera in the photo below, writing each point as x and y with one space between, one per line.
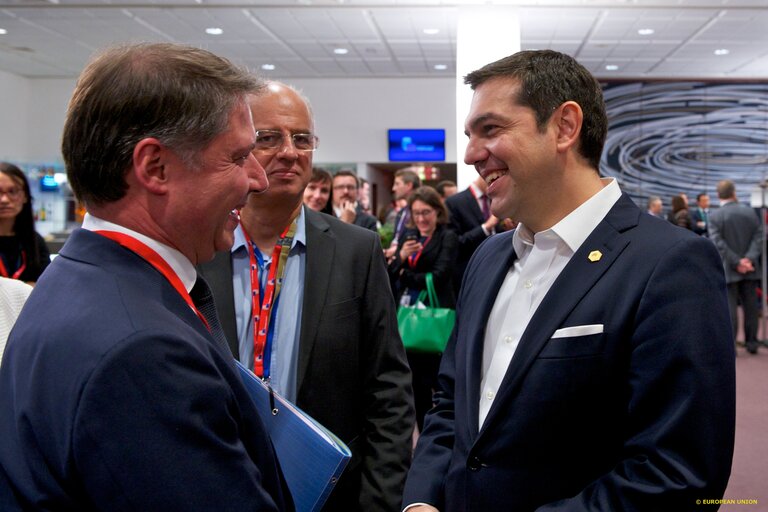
427 246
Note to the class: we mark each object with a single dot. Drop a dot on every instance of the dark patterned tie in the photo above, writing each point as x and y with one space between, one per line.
203 299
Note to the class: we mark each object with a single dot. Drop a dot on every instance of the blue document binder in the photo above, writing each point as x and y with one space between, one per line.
312 457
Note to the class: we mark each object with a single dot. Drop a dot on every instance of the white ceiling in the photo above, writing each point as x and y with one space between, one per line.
385 38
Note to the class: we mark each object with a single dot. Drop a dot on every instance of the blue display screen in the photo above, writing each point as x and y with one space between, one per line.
48 184
417 145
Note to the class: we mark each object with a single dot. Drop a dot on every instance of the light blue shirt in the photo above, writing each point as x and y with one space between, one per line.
287 319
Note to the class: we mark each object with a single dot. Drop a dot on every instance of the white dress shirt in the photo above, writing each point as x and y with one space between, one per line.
177 261
540 259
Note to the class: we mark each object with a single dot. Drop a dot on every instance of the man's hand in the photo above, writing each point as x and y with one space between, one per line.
348 212
491 223
422 508
745 266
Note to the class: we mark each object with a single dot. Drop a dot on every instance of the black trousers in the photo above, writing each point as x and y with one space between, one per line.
746 293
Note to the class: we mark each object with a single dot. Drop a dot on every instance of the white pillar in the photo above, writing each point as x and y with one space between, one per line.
484 34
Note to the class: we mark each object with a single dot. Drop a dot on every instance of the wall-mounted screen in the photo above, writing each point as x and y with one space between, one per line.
417 145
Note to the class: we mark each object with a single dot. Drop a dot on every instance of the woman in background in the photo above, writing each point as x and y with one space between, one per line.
680 215
317 195
23 253
427 246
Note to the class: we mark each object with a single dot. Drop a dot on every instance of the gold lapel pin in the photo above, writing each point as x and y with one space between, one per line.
595 256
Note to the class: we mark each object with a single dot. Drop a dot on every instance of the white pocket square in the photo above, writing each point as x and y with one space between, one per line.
578 330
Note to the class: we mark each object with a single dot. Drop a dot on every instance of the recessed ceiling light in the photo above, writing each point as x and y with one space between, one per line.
431 31
611 67
722 51
214 31
268 67
3 31
646 31
441 67
340 51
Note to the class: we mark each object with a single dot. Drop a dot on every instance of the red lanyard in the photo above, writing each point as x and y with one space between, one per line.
261 308
414 258
156 261
4 271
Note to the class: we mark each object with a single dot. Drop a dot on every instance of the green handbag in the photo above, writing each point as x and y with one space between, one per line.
426 329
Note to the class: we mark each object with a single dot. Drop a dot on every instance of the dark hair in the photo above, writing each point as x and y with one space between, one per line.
700 195
547 80
429 195
440 187
181 95
408 175
678 203
24 224
726 189
347 172
321 175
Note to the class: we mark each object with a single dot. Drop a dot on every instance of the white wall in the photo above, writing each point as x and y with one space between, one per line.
14 100
352 115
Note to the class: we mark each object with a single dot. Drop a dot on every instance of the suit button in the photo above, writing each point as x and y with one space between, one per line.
474 464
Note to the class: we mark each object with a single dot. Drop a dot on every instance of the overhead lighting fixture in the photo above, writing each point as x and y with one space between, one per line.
268 67
3 31
722 51
646 31
441 67
214 31
431 31
340 51
611 67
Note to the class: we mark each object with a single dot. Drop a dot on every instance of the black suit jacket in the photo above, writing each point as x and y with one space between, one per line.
114 396
352 372
365 220
466 221
638 417
437 257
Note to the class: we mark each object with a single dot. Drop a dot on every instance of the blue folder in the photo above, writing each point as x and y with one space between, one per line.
312 457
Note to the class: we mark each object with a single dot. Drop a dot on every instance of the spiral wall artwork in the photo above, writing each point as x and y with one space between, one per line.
665 138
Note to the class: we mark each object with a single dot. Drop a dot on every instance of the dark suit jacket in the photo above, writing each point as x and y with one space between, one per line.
466 221
114 396
697 215
352 373
737 233
365 220
637 418
438 257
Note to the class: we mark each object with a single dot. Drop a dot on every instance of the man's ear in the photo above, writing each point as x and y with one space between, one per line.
149 165
568 118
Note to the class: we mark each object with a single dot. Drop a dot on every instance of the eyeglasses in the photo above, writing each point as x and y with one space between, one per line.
12 193
271 140
423 213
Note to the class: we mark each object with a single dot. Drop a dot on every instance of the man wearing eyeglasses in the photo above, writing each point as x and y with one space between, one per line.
329 342
345 204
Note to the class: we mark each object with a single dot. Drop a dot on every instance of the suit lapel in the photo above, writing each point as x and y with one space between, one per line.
576 279
476 331
218 274
321 246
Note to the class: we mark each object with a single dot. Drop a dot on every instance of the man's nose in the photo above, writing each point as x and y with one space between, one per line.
474 153
257 178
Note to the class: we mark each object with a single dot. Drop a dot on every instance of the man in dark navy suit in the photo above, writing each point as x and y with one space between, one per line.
592 364
117 391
